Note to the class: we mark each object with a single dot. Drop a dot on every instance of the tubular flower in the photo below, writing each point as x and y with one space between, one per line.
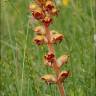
38 14
47 20
63 60
39 40
49 57
49 78
57 38
63 75
47 63
54 12
49 5
39 30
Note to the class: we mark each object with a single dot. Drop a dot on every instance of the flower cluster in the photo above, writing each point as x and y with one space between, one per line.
43 11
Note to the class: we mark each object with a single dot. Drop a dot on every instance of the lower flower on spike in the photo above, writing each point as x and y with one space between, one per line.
39 39
49 78
47 63
63 75
49 57
62 60
39 30
56 38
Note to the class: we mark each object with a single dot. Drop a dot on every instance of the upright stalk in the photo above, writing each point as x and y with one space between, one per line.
55 65
43 11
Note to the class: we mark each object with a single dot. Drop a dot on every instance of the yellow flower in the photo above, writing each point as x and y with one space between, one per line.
65 2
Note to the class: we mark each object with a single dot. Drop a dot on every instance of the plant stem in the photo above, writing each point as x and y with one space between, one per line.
55 65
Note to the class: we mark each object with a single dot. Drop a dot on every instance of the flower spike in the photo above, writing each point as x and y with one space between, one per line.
43 11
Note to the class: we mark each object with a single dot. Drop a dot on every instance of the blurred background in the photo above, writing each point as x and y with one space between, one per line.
21 62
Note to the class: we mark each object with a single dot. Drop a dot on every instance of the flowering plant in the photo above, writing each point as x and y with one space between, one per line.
43 11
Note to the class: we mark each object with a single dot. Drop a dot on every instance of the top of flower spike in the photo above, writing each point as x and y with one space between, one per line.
40 2
43 10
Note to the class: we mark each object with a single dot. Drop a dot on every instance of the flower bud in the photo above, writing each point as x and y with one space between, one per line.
38 13
57 38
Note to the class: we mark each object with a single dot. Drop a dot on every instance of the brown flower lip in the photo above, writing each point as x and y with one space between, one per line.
39 30
38 14
39 40
49 5
63 60
47 20
57 38
63 75
49 57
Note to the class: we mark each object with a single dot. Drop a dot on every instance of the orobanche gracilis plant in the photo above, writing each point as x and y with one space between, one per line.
43 11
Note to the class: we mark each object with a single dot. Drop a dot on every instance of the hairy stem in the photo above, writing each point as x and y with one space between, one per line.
55 65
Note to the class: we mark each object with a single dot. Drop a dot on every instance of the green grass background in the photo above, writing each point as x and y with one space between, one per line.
21 63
